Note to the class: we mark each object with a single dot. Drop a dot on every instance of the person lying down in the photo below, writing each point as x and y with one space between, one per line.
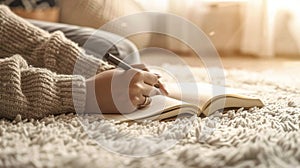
39 78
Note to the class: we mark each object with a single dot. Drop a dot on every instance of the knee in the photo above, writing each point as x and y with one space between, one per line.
100 43
127 51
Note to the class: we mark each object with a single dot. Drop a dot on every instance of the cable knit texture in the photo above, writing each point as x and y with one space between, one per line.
54 81
41 49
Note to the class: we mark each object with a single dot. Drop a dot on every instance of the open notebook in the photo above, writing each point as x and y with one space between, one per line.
189 99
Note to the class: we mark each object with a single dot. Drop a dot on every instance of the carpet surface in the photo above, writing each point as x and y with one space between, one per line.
265 137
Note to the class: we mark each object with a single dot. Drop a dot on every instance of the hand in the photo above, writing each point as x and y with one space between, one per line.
119 91
159 85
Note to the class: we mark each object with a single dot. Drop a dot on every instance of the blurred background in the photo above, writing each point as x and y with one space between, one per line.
239 29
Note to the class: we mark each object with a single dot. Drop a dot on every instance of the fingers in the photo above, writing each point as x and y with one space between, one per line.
162 88
146 102
141 85
146 77
140 90
142 101
150 78
138 100
150 90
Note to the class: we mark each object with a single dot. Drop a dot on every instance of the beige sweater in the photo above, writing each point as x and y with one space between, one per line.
37 74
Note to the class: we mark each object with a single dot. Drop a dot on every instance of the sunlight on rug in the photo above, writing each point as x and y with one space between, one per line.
266 137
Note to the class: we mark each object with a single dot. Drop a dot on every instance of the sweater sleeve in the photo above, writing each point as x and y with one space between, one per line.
44 50
36 92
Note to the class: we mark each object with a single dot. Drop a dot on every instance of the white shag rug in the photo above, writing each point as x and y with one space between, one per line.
266 137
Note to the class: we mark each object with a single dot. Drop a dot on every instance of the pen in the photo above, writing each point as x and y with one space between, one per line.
118 62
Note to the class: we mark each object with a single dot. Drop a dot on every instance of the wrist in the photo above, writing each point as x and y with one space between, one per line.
91 104
72 92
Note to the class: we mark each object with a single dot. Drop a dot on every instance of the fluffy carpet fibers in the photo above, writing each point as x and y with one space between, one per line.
266 137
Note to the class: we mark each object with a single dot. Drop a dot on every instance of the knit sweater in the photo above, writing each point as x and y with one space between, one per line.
54 80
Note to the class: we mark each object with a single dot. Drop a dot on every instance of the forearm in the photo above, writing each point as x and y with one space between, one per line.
36 92
41 49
